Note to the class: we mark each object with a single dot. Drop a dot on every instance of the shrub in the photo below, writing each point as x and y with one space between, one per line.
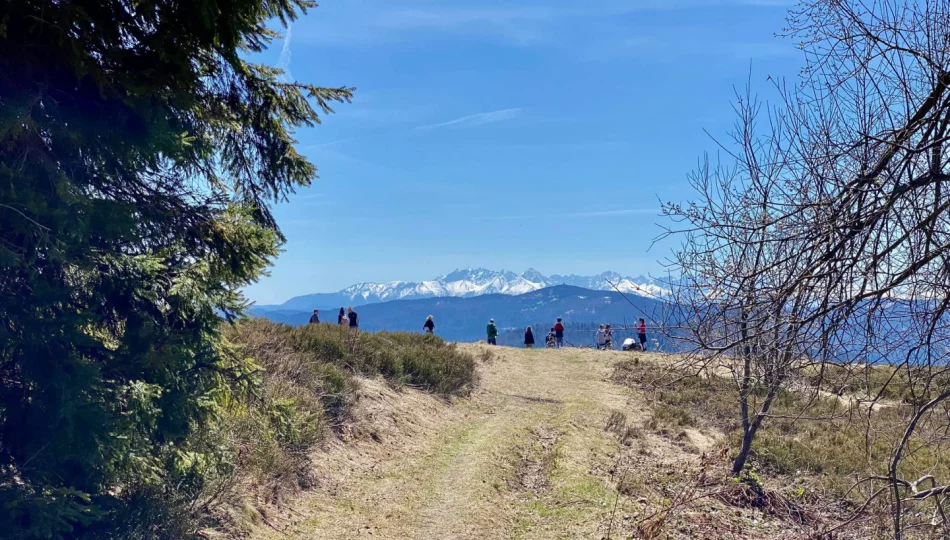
681 395
836 445
421 360
668 418
909 384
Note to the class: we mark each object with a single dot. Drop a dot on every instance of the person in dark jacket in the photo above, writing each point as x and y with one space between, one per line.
642 333
429 326
315 318
528 338
558 334
341 317
354 319
492 332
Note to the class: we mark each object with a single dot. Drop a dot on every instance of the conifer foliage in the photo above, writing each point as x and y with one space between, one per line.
139 153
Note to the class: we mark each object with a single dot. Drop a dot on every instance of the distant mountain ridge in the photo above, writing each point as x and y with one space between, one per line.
464 319
469 282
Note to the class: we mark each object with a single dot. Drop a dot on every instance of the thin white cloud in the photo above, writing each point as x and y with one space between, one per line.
332 143
283 62
476 119
777 48
471 120
591 214
304 222
605 213
521 24
508 218
450 18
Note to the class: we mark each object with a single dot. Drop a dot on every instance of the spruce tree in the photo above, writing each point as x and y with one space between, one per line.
140 152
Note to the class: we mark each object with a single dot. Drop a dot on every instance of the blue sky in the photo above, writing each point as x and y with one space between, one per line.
509 134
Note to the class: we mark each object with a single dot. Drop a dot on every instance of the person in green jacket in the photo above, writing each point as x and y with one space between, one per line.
492 332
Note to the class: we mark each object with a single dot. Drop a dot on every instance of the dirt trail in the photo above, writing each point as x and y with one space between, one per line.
527 456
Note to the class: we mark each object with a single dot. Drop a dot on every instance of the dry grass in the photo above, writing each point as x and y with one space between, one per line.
492 467
813 448
626 433
906 384
679 399
307 390
521 458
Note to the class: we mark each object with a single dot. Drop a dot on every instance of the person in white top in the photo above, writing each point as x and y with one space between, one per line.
601 337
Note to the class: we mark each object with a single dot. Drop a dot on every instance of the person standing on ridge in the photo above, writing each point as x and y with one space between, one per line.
608 338
492 332
354 319
528 338
642 333
429 326
341 318
600 338
558 334
315 318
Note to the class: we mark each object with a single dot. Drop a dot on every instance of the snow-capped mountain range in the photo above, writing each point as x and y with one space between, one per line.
470 282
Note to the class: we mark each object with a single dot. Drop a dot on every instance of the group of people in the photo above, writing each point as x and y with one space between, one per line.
641 342
604 337
347 318
554 339
605 334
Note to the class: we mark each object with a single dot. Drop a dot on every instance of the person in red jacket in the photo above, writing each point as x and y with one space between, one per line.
642 333
558 334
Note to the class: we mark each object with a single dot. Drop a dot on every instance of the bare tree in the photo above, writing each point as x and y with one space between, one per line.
734 266
826 234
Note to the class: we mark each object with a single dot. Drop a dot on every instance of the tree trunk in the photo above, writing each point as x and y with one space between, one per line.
744 389
743 455
750 428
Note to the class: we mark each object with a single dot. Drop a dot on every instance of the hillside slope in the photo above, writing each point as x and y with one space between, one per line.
547 447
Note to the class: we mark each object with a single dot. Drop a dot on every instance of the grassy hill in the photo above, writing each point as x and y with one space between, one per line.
579 443
259 452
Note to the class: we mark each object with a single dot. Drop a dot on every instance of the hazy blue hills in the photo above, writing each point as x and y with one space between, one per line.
464 319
